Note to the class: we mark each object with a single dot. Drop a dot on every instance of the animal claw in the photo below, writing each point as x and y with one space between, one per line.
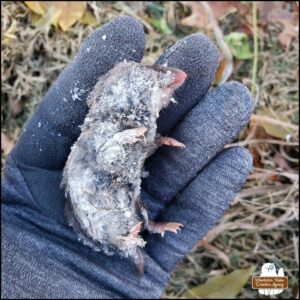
134 231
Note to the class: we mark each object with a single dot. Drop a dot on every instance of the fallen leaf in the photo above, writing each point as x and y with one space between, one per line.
256 131
88 19
198 17
35 19
245 28
273 11
255 157
221 286
286 36
217 272
6 144
71 11
290 22
63 13
273 128
220 69
264 8
238 44
222 9
50 17
38 7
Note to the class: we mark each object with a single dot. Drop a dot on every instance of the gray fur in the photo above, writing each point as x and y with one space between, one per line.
102 176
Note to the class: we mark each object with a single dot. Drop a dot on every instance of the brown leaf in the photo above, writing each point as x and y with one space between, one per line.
275 13
286 36
198 17
71 11
63 13
222 9
88 19
255 156
264 8
220 69
245 28
290 22
6 144
38 7
256 131
283 16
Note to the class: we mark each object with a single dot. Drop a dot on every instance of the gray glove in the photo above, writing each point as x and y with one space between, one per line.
193 186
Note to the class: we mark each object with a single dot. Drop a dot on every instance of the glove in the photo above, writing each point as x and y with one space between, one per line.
42 256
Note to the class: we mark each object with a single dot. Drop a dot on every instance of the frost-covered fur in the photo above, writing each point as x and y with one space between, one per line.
102 176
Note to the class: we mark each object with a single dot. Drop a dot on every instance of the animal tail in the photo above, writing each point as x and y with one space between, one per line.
139 263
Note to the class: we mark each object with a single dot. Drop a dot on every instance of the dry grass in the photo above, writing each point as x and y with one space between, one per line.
262 223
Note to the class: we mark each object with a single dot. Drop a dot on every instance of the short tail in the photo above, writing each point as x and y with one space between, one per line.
139 263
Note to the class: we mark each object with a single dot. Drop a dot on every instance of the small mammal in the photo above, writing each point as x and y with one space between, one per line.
102 176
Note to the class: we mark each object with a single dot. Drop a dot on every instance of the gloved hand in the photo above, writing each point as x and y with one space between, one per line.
193 186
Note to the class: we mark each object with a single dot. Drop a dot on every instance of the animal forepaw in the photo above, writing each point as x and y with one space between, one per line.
135 230
164 140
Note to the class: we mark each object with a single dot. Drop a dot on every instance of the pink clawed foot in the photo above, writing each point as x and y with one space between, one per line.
135 230
162 227
164 140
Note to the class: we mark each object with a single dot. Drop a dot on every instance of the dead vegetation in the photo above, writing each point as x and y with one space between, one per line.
262 223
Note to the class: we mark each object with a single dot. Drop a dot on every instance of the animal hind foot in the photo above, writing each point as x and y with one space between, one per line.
162 227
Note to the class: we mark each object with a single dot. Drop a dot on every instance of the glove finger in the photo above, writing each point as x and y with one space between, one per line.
198 57
214 122
200 205
48 136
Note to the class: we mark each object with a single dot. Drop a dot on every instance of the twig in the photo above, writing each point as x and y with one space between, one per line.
268 173
261 141
255 58
220 42
263 190
220 254
296 247
283 219
273 121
